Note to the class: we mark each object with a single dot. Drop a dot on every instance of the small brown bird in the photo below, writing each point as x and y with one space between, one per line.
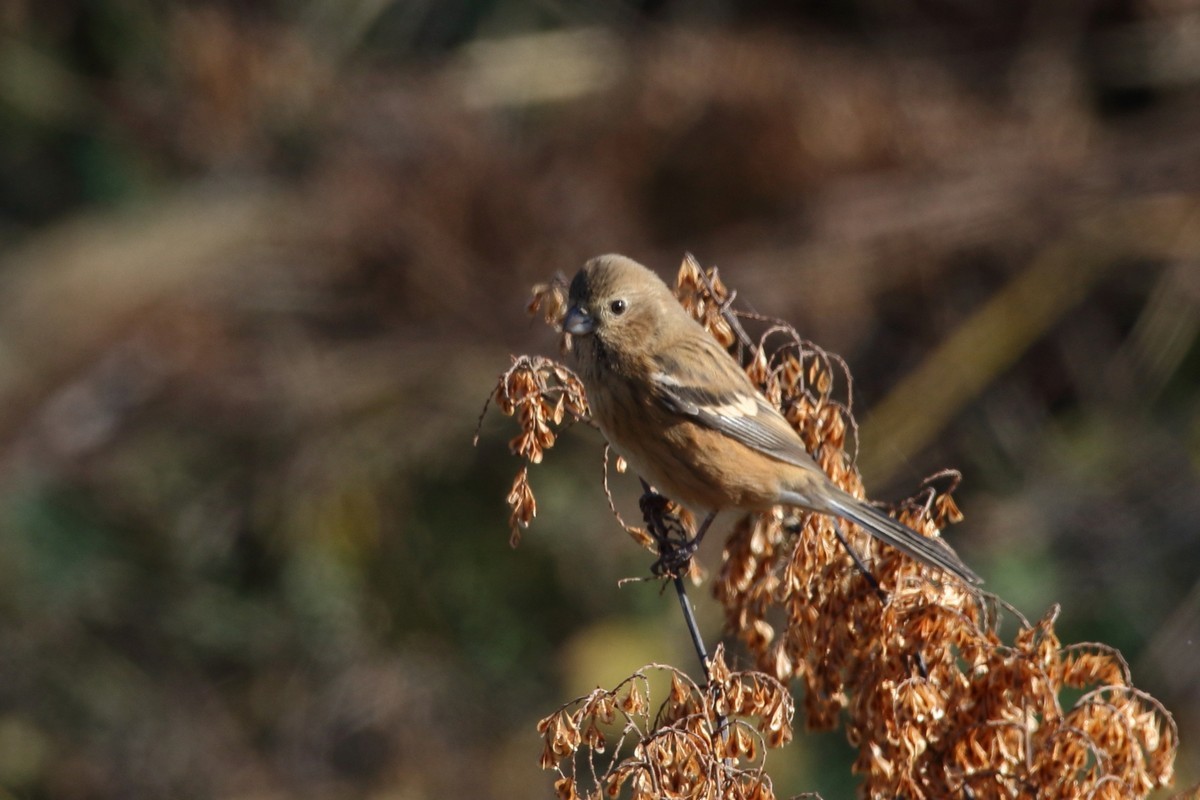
684 414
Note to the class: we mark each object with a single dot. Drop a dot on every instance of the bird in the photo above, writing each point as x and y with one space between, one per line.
684 414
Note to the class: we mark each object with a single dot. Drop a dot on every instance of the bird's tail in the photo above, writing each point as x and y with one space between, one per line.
933 552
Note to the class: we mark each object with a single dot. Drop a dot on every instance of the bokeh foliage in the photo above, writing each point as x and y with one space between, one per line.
260 264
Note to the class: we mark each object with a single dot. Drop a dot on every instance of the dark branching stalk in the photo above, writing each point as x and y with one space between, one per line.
674 561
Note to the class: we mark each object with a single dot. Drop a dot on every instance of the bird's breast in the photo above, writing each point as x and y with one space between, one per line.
688 462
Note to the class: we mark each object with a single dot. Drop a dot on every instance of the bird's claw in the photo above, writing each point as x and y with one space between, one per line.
675 548
675 559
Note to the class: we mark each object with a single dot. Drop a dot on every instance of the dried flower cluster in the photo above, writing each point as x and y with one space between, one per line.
701 742
707 300
936 703
542 395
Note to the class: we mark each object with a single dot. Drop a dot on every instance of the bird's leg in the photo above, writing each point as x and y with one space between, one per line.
674 547
674 560
866 573
665 528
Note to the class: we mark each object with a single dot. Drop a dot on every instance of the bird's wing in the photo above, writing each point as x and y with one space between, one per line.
701 381
722 398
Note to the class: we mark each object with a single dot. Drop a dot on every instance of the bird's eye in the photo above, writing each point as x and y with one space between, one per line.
617 307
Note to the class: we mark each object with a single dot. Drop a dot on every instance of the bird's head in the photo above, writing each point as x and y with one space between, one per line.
617 301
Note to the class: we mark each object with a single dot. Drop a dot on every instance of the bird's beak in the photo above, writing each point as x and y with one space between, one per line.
578 321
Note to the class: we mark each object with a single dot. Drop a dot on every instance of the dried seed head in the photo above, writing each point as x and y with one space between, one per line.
523 506
935 702
686 748
550 300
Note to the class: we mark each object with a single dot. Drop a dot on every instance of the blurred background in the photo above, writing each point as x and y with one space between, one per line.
262 262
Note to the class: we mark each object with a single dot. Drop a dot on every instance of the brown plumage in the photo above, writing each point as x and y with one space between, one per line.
686 417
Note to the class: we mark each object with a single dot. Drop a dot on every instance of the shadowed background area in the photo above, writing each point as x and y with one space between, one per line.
260 265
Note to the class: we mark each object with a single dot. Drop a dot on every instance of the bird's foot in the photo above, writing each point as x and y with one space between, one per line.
675 558
670 534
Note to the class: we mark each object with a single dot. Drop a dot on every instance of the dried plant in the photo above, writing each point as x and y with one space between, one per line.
542 394
705 741
936 703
